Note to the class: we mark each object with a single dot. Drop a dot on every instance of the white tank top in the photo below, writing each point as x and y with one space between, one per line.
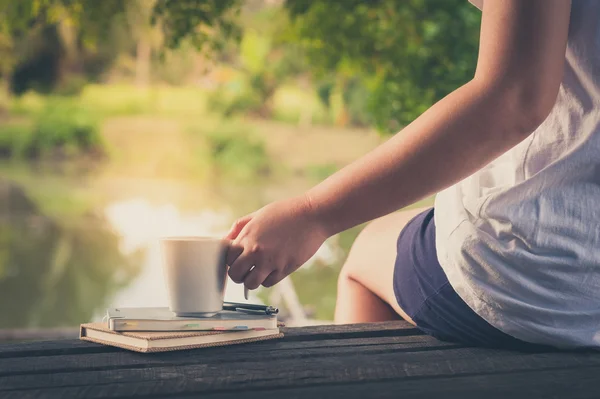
520 239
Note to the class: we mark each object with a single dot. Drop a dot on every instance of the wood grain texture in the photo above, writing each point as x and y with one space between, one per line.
310 370
537 384
268 352
572 384
385 329
51 348
381 360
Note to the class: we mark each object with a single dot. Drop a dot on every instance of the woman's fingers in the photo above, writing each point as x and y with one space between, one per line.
241 265
275 277
233 252
247 264
256 277
237 227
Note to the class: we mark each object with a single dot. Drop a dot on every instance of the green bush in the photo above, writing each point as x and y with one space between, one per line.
228 104
63 129
235 152
356 97
72 86
28 104
292 103
12 140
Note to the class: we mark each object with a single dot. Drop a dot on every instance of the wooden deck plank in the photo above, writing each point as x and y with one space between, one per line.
347 331
546 384
51 348
534 384
318 369
269 351
380 360
312 333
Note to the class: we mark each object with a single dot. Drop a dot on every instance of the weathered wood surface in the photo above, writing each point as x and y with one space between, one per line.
385 360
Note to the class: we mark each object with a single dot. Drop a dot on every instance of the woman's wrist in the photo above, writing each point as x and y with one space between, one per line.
319 216
314 212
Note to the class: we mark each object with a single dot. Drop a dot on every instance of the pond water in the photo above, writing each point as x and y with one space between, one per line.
72 244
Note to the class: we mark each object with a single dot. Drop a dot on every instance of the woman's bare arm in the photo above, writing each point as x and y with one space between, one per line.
518 74
520 67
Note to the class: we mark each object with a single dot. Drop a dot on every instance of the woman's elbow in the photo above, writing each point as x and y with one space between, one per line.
526 108
536 106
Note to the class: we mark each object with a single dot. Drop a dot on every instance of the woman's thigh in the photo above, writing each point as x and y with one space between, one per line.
372 258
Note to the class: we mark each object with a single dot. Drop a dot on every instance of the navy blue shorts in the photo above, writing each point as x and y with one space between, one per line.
424 293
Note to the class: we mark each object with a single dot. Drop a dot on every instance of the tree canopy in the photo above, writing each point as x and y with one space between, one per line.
411 53
408 54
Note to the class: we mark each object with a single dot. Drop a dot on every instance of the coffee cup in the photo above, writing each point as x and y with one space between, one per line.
195 272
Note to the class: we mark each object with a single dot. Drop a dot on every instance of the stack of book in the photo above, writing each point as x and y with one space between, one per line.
159 330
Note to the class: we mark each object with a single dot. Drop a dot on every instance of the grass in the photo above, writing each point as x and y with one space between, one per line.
127 100
297 141
28 104
166 148
121 100
290 103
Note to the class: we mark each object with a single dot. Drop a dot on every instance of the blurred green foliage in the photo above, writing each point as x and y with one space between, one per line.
56 272
410 53
321 172
63 129
60 130
349 62
12 140
40 38
235 152
203 21
265 62
44 43
390 60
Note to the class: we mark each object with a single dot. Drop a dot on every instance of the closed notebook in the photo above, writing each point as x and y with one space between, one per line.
171 341
162 319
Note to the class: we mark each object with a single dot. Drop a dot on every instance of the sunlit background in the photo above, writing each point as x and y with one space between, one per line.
115 131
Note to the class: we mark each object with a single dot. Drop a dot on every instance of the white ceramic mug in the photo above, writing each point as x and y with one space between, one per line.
195 273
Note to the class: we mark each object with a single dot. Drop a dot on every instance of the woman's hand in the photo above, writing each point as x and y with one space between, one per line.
272 242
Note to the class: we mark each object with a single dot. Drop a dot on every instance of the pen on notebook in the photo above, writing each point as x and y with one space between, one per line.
270 310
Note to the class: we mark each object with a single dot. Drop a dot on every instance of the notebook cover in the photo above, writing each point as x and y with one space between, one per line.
165 335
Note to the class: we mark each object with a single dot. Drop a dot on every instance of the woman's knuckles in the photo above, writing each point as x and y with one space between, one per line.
252 249
233 253
235 276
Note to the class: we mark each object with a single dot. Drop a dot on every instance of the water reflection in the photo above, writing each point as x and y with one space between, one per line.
62 271
140 226
56 272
